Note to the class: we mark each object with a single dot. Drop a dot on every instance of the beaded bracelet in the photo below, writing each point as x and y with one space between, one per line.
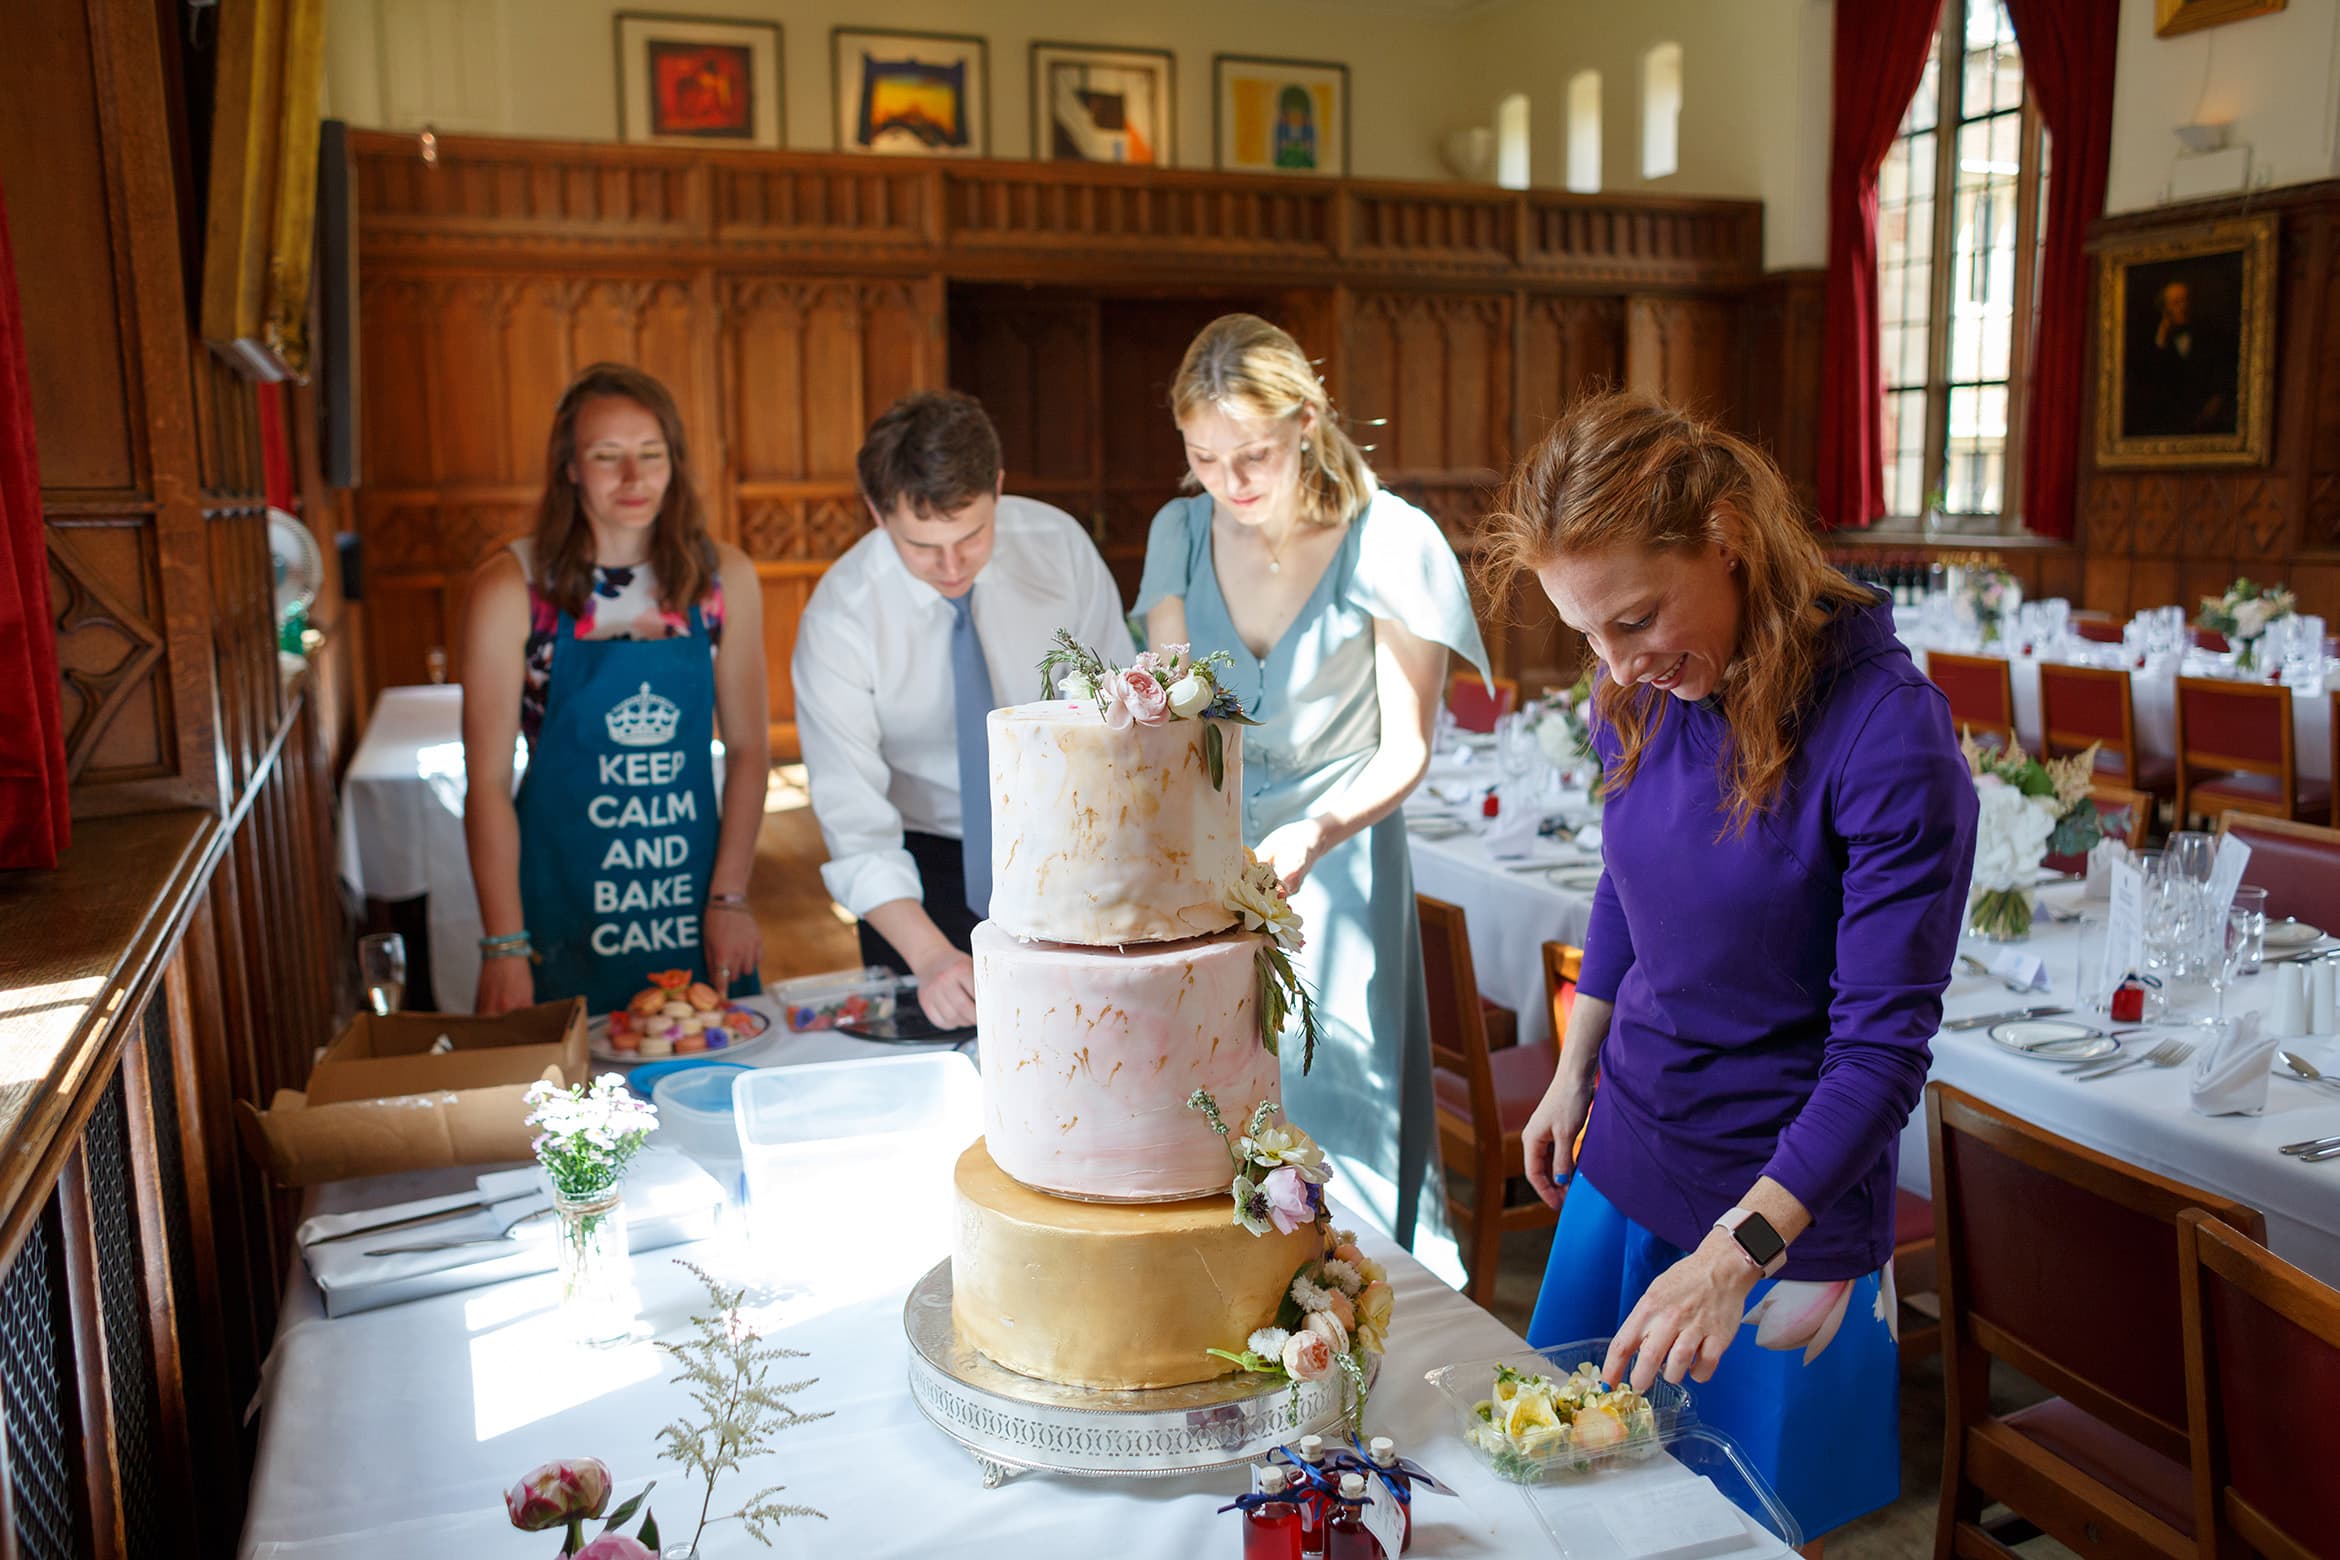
511 945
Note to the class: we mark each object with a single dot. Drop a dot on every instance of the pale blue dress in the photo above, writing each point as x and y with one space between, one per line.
1368 1099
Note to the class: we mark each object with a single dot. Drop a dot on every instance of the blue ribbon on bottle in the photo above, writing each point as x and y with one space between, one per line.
1358 1460
1322 1490
1259 1498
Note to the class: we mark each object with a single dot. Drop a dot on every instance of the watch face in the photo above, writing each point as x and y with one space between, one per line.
1759 1240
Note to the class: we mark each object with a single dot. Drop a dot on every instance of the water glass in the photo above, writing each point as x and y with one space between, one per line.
382 967
2251 904
2191 855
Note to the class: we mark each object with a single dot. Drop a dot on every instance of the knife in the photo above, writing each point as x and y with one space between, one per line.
476 1205
2310 1146
499 1238
1985 1020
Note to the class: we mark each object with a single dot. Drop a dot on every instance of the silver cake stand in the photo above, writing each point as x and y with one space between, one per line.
1013 1423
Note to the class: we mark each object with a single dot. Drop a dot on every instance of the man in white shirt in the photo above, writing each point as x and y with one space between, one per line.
937 616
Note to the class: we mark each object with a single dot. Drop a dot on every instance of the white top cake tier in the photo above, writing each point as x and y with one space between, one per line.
1105 837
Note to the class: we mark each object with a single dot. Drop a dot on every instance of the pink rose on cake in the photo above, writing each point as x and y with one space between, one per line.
1292 1199
1308 1356
1133 696
1166 665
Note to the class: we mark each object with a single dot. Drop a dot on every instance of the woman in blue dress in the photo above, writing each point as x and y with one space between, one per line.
601 640
1339 603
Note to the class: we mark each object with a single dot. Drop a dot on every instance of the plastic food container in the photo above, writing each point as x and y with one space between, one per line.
1574 1509
1556 1448
839 997
849 1163
695 1115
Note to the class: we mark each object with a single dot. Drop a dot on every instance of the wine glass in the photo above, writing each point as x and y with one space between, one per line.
2232 946
382 966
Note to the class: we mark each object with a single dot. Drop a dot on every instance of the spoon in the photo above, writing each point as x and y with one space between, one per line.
2301 1067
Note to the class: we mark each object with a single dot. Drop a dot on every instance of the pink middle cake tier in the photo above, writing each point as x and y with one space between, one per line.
1090 1055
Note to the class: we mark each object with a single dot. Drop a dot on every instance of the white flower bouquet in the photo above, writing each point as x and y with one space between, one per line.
1990 595
2028 808
2242 615
1563 727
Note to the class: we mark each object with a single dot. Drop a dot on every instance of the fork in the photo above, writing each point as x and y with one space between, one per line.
1977 967
2167 1054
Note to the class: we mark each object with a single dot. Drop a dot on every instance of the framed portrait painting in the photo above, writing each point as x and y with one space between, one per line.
1104 105
2185 346
1280 116
698 81
911 93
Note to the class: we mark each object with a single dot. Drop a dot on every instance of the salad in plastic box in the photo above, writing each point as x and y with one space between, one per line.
841 997
1542 1413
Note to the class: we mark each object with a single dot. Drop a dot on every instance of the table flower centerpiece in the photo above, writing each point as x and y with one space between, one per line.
1563 725
589 1135
2242 615
2029 808
1990 595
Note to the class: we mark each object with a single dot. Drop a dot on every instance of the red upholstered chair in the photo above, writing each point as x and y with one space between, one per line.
2083 704
2062 1262
1484 1099
2298 864
2333 726
1913 1272
1474 708
2262 1376
2210 639
2234 752
2100 628
1981 694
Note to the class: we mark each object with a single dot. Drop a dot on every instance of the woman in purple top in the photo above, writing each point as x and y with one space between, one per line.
1787 840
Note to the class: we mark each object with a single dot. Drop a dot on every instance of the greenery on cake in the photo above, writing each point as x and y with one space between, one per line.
1165 685
1257 900
1334 1314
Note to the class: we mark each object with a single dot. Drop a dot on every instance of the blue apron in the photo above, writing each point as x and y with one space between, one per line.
617 816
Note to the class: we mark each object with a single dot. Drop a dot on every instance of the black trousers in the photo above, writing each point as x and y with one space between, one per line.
942 873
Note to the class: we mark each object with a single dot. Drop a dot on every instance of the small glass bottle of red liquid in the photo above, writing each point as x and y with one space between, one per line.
1271 1530
1309 1489
1345 1536
1383 1451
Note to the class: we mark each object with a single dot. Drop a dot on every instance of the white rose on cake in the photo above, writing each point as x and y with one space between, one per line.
1189 696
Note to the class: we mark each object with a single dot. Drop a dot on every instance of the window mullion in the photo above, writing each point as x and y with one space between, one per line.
1950 43
2015 502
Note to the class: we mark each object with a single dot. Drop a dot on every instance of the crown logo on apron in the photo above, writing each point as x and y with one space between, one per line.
645 720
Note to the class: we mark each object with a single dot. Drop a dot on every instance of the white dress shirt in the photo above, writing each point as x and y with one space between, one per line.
872 671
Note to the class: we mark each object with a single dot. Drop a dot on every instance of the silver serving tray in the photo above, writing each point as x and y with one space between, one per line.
1013 1422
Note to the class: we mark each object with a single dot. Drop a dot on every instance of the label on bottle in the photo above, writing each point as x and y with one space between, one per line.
1384 1520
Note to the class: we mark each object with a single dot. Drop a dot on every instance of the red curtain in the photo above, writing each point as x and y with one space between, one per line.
2068 65
1881 48
34 822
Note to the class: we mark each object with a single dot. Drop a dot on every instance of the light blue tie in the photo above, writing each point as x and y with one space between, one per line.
971 703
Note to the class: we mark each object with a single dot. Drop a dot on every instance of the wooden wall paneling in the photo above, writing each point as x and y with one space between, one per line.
1684 350
1033 363
1570 346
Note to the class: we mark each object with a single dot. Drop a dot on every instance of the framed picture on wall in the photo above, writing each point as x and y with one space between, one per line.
2185 346
698 81
911 93
1280 116
2171 17
1104 105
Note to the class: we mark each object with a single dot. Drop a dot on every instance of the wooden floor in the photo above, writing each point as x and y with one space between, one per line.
805 932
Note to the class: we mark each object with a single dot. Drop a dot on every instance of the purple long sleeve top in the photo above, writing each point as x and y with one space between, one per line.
1776 992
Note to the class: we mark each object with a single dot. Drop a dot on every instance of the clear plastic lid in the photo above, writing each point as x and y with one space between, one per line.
1610 1512
1529 1431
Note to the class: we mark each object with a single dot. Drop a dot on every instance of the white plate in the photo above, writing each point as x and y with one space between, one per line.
2292 934
597 1042
1585 879
2054 1040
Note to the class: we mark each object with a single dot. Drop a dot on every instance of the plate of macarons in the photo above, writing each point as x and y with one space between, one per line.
673 1016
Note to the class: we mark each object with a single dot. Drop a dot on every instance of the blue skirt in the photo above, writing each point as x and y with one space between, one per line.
1810 1389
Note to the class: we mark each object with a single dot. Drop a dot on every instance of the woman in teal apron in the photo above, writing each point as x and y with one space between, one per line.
601 642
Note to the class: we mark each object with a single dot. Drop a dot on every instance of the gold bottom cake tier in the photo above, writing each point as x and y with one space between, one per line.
1110 1295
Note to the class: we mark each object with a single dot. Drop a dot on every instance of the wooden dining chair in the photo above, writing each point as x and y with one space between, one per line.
2262 1381
1914 1281
1981 694
2332 727
1474 707
2061 1262
1484 1098
2298 864
2083 704
2234 751
2098 628
2126 815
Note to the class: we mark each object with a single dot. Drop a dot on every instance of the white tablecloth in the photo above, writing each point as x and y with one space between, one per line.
394 1432
402 825
2141 1115
2153 694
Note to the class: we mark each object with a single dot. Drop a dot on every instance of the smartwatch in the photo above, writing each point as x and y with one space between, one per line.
1757 1239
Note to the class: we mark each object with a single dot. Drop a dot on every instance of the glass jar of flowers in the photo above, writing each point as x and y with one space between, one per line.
2029 809
589 1135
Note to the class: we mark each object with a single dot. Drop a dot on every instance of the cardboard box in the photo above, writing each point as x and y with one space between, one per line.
380 1101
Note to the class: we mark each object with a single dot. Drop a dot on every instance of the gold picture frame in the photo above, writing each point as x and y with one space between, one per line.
2186 346
261 206
2171 17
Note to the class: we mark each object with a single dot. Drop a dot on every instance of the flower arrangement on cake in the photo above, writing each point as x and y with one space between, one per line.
2242 615
1257 899
2029 808
1335 1313
1533 1423
1164 685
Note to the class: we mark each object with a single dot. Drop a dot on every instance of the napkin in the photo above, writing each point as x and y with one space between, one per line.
2102 858
2020 971
1514 831
2232 1076
668 1200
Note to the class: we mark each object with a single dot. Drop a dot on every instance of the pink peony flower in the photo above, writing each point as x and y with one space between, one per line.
1799 1314
615 1546
558 1491
1292 1199
1142 695
1307 1355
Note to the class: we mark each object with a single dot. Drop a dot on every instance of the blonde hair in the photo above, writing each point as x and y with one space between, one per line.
1245 367
1626 471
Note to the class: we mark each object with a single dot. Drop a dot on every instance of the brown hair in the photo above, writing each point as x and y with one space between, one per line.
681 557
936 448
1248 368
1622 470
